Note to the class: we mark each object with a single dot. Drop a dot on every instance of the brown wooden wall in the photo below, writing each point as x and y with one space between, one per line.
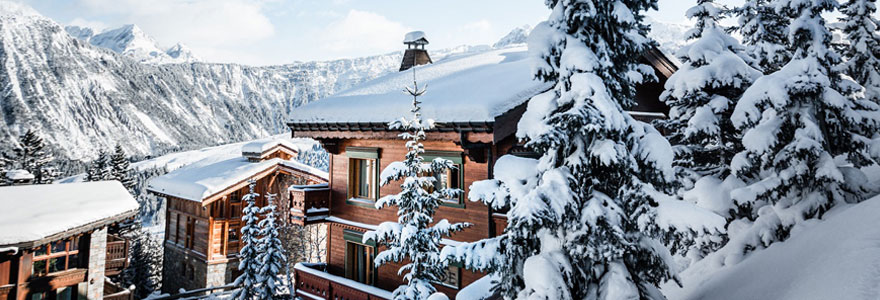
394 150
475 213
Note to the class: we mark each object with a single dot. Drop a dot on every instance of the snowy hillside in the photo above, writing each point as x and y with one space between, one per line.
83 98
130 41
838 258
518 35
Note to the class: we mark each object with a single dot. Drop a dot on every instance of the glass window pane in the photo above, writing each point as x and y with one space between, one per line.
73 261
56 264
42 250
39 268
64 293
74 244
59 246
37 296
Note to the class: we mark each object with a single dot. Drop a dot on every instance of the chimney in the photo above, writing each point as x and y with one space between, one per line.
415 54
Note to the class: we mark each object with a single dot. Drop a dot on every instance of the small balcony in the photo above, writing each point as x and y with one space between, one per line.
310 204
314 283
117 255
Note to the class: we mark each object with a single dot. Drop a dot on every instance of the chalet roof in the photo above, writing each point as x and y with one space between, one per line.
469 92
212 175
466 88
35 214
260 146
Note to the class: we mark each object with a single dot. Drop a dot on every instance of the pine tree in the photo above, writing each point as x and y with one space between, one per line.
145 270
120 168
271 258
248 262
99 169
796 123
582 219
764 32
412 237
33 157
701 95
863 54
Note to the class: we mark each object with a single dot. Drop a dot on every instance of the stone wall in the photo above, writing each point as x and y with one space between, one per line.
189 272
97 260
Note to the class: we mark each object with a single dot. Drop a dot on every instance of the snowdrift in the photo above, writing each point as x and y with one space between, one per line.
837 258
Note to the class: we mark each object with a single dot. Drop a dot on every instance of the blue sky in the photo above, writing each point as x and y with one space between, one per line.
264 32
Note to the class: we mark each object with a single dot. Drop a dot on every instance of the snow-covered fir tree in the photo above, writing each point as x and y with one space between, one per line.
99 169
802 147
145 271
764 32
120 168
702 94
249 264
32 155
271 258
584 219
412 237
863 54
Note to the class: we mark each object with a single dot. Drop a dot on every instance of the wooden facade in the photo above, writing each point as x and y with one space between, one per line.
476 146
60 269
202 236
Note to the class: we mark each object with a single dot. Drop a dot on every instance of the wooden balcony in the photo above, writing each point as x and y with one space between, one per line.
113 291
117 255
309 203
313 283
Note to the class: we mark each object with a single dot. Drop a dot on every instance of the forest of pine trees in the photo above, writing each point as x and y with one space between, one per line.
766 133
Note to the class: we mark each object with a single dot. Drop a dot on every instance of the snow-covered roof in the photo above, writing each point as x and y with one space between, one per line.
19 175
414 36
466 88
208 177
260 146
212 175
33 213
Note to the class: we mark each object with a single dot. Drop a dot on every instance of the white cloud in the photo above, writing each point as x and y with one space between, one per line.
362 32
199 23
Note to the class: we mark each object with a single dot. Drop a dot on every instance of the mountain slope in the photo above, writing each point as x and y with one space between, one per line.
130 41
83 98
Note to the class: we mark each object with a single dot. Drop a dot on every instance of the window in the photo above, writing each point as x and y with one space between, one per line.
359 258
452 178
363 178
235 205
233 233
190 232
451 277
363 173
56 256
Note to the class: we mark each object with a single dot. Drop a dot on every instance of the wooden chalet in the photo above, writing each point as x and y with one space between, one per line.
56 240
204 205
477 101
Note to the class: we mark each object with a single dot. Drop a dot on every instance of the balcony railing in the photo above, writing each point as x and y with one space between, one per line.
309 203
314 284
117 255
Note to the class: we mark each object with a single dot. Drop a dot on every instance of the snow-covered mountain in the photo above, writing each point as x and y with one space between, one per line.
670 36
129 40
519 35
83 98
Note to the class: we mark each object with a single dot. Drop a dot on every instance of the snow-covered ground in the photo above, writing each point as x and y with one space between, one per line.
837 258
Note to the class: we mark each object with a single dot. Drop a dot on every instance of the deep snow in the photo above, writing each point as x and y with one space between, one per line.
837 258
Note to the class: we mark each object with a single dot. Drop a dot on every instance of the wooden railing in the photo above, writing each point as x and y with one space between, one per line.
313 283
117 255
113 291
309 203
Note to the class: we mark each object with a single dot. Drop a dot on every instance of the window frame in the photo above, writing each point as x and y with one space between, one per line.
457 158
355 154
67 254
356 238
